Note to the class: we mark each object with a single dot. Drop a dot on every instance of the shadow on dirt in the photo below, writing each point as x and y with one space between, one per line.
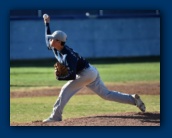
143 117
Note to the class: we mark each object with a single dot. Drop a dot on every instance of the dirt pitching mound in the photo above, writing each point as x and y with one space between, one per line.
118 119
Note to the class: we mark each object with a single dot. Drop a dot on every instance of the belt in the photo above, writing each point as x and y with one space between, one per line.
86 67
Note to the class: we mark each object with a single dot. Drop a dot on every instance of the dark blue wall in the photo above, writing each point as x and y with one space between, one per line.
118 37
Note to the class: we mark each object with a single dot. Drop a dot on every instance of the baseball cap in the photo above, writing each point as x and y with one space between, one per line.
59 35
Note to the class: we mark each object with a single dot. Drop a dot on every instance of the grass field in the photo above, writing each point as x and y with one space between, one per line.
24 77
38 108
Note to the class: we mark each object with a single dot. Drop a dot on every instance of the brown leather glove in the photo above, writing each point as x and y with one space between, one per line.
60 69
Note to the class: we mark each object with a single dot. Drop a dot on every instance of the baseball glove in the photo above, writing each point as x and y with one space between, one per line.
60 69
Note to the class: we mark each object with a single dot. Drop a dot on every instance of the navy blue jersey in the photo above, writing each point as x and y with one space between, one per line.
71 59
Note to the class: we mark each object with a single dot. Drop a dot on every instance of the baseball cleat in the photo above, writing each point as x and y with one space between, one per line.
139 102
50 120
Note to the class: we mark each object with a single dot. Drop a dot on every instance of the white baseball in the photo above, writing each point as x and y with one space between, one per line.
45 16
87 14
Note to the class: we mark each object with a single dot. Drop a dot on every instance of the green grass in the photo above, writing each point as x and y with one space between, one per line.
130 72
38 108
26 77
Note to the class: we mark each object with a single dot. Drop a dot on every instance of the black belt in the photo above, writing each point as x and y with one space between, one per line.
86 67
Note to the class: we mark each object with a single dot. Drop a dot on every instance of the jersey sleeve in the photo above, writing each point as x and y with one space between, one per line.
47 31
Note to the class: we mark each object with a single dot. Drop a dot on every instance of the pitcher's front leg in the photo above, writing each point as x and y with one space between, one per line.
67 91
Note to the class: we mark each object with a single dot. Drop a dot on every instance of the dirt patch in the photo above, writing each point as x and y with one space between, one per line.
130 88
118 119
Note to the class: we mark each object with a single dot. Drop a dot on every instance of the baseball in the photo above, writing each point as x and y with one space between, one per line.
87 14
45 16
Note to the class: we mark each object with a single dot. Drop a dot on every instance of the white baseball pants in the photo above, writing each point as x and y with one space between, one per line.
90 78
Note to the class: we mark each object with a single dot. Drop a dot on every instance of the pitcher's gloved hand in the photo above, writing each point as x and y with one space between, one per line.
60 69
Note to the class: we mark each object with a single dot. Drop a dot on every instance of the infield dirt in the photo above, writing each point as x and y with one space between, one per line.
116 119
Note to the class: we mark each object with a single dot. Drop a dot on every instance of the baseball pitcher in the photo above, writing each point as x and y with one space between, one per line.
79 73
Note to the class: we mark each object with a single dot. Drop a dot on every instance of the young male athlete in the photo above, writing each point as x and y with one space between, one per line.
80 73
